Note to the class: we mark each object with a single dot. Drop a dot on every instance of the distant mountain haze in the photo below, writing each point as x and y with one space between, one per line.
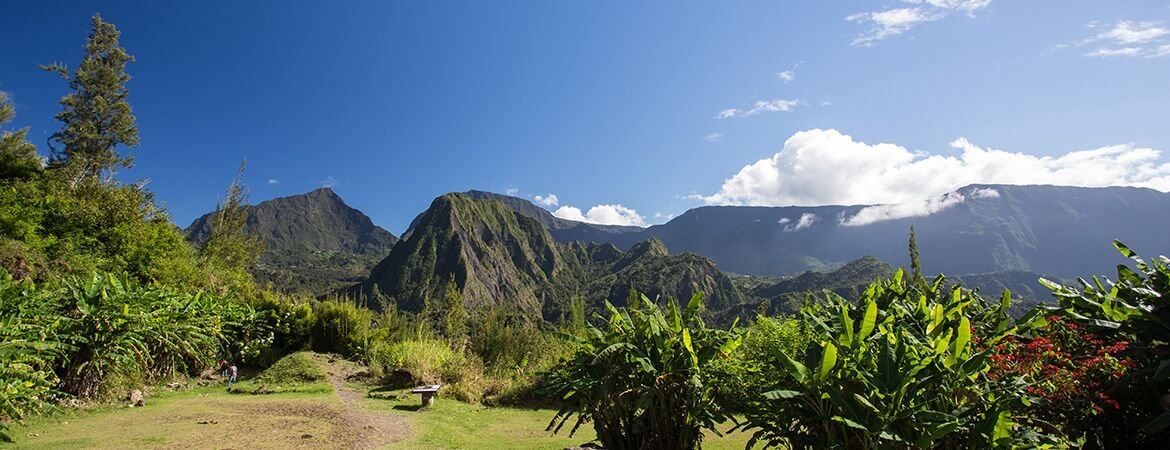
1064 231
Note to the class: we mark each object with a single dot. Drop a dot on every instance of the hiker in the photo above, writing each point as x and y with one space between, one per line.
232 372
223 368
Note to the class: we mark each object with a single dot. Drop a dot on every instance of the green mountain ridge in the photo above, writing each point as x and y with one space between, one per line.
314 242
501 257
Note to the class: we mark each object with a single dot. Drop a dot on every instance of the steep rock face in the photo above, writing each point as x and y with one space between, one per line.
501 257
313 242
495 255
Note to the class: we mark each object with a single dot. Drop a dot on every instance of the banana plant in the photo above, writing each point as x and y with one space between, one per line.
643 378
905 366
1137 304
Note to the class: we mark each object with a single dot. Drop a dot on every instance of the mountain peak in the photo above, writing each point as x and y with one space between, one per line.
313 241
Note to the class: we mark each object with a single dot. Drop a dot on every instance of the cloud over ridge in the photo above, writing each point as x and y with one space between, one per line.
825 166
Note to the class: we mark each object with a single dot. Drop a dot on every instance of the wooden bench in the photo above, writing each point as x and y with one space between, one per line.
428 393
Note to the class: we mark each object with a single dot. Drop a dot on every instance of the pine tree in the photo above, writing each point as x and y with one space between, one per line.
18 156
915 264
96 117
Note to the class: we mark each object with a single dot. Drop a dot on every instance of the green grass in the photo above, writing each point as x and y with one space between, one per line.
452 424
173 419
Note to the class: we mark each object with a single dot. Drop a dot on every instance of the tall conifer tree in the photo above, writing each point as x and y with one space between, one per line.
96 116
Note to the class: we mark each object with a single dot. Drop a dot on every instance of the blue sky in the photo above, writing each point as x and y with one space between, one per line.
655 106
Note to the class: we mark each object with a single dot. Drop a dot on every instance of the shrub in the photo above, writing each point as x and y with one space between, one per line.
1076 374
1133 308
341 327
752 366
902 367
643 379
294 368
428 361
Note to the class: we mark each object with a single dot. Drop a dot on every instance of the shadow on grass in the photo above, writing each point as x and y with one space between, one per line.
412 408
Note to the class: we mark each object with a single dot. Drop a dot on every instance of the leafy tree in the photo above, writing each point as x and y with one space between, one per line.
230 247
96 115
18 157
644 378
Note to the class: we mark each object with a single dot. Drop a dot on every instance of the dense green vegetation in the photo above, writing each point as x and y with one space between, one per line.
644 379
101 295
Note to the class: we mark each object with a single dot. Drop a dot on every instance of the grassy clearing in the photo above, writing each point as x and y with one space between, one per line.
452 424
300 415
200 418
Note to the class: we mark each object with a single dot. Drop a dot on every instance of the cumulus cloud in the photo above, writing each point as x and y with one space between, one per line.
663 217
512 191
547 201
1128 38
714 137
787 75
820 167
602 215
760 106
892 22
273 181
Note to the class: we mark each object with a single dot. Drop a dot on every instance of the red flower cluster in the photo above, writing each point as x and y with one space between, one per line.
1067 365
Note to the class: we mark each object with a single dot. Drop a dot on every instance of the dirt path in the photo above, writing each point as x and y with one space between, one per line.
363 429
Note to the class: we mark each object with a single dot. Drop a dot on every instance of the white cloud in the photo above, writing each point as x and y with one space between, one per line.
916 208
806 220
329 182
760 106
983 193
889 23
663 217
714 137
826 103
787 75
1107 52
603 215
892 22
512 191
1129 38
820 167
913 208
273 181
547 201
966 6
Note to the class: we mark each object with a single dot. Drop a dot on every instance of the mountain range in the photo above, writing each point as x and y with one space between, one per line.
506 251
